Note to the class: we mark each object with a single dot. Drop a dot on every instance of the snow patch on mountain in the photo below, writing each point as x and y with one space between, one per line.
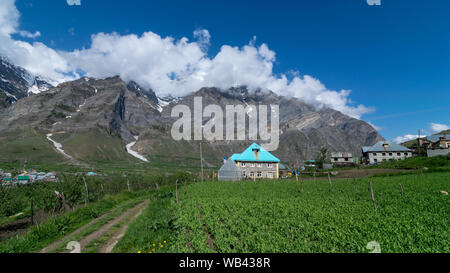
58 146
134 153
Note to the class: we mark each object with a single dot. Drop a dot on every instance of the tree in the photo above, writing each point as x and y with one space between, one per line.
321 157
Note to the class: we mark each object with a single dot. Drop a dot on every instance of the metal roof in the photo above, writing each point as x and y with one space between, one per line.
385 146
434 138
255 153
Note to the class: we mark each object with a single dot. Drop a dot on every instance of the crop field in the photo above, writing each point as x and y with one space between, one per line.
292 217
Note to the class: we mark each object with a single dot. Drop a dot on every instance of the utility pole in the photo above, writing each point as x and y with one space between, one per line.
418 145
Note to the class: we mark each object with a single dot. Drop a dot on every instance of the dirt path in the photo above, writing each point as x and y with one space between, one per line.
115 238
104 229
57 243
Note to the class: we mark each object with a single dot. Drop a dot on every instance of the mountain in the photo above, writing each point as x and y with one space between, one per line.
94 119
17 83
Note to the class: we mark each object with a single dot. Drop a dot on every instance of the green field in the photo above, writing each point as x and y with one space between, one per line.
267 217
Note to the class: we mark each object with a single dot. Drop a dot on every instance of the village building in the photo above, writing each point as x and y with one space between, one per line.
439 141
383 151
342 159
257 163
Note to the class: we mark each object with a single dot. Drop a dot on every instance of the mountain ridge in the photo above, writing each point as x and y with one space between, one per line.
113 109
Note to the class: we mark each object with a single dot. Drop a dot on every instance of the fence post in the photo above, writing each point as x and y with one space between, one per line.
301 184
128 184
329 180
32 211
176 189
401 188
87 190
371 195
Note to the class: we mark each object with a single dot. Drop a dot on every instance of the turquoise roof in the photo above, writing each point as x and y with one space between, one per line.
234 156
255 153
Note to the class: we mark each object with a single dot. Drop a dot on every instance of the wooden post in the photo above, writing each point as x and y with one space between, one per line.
371 195
329 180
128 184
176 189
87 190
314 176
32 211
301 184
103 191
296 176
356 183
401 188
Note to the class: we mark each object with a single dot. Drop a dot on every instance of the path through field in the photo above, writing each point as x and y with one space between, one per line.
105 230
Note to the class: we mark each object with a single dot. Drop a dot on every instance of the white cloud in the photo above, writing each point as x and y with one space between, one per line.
405 138
378 128
74 2
203 37
28 34
9 17
436 127
169 66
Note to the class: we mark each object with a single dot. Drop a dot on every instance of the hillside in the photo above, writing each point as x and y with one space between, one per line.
94 119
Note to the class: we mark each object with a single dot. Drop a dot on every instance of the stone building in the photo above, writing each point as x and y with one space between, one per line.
383 151
342 159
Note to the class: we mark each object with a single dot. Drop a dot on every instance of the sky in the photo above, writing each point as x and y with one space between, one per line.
387 64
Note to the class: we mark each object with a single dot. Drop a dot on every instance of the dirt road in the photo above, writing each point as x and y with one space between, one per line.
124 219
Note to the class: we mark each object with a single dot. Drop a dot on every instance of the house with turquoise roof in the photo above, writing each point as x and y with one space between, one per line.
257 163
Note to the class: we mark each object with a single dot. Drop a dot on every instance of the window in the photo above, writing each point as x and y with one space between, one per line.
252 174
243 173
406 153
259 174
383 154
399 154
346 159
259 165
390 154
243 164
335 159
269 165
251 164
374 154
269 175
375 160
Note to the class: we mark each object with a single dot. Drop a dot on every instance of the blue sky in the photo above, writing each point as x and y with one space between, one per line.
393 57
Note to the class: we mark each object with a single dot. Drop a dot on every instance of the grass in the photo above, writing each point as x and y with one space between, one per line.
116 213
27 145
152 228
40 236
431 163
264 216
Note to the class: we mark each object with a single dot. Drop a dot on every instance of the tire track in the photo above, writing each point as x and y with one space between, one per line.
104 229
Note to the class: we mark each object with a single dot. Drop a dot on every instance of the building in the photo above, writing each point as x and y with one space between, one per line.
257 163
342 159
230 171
439 141
23 179
383 151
